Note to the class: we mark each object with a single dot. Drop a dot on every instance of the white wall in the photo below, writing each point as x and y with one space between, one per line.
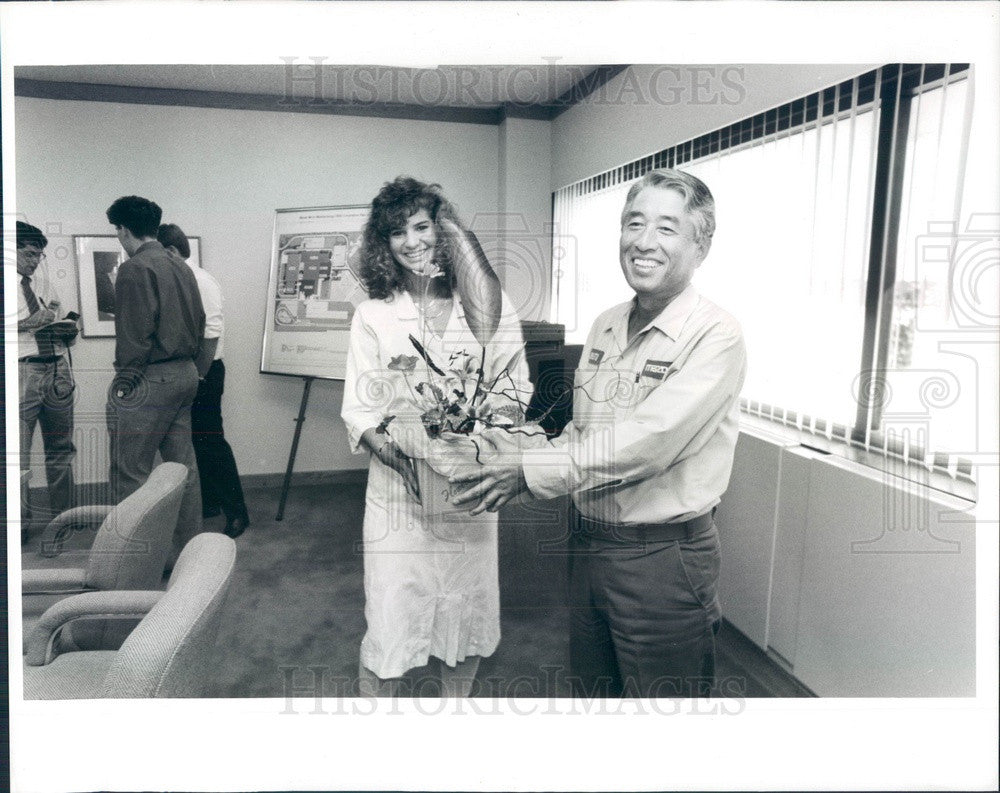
220 174
648 108
526 207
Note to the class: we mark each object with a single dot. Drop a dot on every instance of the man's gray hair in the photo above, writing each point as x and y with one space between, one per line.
698 200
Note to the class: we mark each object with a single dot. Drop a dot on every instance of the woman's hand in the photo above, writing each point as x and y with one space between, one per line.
391 455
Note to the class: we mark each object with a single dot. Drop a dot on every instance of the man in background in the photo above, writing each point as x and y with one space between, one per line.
646 458
159 324
45 377
221 490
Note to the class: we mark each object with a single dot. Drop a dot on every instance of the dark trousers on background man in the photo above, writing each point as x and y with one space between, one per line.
155 416
46 399
220 480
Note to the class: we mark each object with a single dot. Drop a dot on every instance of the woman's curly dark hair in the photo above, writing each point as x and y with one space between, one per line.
394 204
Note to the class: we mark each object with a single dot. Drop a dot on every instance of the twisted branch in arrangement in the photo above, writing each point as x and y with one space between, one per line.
424 354
480 375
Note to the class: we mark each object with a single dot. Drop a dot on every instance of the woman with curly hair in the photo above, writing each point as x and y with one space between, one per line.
435 310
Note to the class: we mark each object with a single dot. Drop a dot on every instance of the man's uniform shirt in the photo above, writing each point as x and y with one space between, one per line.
655 421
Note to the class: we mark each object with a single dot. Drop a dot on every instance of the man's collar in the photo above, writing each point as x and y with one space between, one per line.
619 314
147 245
38 276
669 321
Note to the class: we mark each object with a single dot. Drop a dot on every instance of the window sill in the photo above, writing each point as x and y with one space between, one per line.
961 488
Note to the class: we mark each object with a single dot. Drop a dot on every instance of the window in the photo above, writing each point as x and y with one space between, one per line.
821 203
943 417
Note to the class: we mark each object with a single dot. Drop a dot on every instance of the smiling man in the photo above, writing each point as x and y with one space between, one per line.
646 458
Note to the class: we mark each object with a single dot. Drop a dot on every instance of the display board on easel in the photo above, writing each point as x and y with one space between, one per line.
313 289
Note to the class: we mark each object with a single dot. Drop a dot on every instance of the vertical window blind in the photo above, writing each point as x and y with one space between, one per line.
824 206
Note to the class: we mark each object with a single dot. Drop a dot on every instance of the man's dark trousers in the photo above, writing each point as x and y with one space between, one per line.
643 615
220 479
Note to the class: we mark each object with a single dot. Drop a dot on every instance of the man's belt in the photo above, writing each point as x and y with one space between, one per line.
171 359
643 532
39 359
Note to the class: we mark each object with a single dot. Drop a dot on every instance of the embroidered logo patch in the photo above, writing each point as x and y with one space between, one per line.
596 356
656 369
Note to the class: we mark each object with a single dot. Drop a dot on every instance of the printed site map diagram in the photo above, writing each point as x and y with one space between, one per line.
313 290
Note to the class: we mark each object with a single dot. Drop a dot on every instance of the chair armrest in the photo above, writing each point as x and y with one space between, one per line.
53 581
71 520
119 604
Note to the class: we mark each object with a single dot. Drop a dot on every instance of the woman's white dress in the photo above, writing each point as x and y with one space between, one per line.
430 577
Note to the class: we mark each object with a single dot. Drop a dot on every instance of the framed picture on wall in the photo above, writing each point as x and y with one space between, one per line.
98 258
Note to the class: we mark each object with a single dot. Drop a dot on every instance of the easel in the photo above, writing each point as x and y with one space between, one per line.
295 446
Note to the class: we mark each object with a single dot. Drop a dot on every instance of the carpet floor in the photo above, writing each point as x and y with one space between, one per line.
294 615
293 620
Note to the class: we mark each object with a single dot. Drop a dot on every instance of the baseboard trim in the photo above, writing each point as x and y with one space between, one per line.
352 476
769 673
98 492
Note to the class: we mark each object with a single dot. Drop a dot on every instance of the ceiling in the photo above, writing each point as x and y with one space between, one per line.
444 86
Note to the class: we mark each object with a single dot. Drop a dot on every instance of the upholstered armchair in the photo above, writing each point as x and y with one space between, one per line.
129 551
166 655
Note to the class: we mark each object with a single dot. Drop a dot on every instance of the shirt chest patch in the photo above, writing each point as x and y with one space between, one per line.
595 357
655 370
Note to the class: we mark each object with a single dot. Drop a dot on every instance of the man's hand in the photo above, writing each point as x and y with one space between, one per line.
493 486
41 317
65 333
391 455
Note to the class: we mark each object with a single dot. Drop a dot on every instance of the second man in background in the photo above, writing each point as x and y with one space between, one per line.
220 480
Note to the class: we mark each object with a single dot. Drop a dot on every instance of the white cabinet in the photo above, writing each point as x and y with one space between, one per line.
745 520
887 603
789 550
864 583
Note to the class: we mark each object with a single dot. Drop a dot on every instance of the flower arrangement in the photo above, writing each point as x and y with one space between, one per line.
455 399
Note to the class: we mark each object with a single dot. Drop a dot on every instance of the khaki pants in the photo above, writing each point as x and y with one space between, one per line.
155 416
46 392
